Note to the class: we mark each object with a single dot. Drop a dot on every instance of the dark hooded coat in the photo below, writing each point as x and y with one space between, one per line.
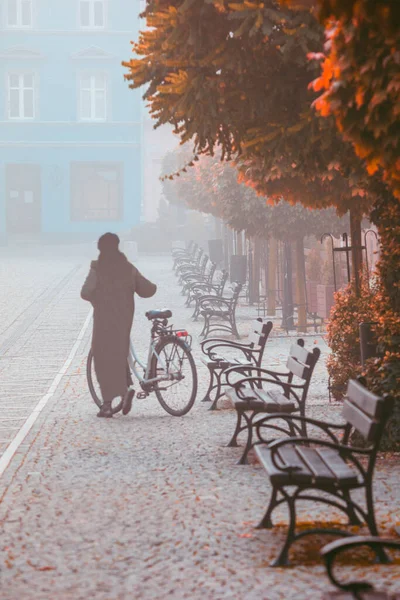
110 287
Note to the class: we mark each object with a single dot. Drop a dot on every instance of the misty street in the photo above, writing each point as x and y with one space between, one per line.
146 505
199 300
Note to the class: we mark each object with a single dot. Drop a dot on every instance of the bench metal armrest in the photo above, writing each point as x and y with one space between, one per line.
324 425
200 279
331 551
287 387
246 350
348 451
256 369
238 385
274 447
275 374
211 297
215 300
215 342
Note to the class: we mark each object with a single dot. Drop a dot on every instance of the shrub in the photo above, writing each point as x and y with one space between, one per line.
347 313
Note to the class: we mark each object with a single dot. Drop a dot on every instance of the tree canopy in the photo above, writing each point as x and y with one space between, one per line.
237 76
211 186
360 78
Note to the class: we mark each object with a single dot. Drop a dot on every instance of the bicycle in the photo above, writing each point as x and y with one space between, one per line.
170 361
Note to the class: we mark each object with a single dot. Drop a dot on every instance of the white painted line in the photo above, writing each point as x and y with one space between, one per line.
2 420
27 426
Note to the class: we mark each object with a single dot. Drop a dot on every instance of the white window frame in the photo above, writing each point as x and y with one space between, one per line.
92 26
19 24
21 87
93 89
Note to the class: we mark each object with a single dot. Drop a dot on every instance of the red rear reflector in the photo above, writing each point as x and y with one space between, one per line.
182 334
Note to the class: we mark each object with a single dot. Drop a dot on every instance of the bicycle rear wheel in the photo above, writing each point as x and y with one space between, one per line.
174 358
94 386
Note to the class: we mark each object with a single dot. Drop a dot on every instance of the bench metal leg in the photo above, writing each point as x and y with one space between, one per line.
218 392
283 559
233 443
249 421
353 518
381 555
206 326
266 521
211 386
233 327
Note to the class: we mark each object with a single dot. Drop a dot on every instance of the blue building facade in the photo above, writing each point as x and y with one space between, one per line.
70 127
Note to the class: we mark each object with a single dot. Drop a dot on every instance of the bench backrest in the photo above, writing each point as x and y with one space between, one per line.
237 288
203 264
260 330
365 411
222 282
301 363
211 272
200 253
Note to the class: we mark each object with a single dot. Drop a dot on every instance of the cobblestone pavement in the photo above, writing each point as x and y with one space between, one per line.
144 506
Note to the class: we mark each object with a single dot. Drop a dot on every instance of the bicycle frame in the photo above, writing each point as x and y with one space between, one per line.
135 361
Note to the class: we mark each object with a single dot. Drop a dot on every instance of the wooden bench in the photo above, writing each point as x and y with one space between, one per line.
326 469
190 262
355 589
193 272
206 276
200 290
250 354
181 255
220 313
288 394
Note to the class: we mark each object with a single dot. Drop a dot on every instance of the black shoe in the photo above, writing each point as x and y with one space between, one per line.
127 402
105 412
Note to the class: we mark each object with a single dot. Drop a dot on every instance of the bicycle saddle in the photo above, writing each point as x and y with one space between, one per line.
158 314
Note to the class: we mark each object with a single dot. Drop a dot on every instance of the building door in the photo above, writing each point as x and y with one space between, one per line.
23 197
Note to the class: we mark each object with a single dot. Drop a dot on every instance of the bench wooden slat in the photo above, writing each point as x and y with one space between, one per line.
368 402
289 456
297 368
342 471
258 327
316 464
256 339
278 476
300 353
223 362
362 422
275 401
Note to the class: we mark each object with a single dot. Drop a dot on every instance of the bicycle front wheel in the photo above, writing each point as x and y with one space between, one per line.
173 359
94 386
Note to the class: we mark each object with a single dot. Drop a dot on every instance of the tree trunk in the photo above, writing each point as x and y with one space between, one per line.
301 286
271 283
218 228
226 247
250 264
256 269
240 242
383 375
231 235
288 308
356 253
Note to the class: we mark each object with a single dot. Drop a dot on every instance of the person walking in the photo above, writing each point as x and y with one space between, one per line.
110 287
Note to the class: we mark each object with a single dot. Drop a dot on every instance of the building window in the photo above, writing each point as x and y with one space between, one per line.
96 191
93 97
21 96
92 14
19 13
